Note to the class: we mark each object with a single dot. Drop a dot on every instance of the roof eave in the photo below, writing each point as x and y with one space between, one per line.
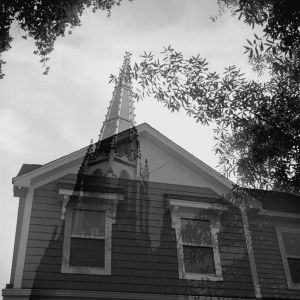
24 180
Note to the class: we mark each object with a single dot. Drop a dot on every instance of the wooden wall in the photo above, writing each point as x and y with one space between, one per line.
144 256
268 259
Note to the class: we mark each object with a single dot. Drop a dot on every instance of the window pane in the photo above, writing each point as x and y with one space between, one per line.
196 231
294 265
198 260
291 243
87 253
88 223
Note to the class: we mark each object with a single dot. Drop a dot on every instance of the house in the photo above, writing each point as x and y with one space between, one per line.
135 216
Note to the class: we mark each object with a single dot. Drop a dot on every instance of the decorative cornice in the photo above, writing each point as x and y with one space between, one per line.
198 205
98 161
176 206
144 172
124 162
65 194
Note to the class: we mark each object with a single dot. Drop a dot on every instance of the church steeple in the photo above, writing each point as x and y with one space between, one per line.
120 115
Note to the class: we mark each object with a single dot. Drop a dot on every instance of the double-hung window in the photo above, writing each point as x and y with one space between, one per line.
289 244
89 217
198 252
87 243
197 225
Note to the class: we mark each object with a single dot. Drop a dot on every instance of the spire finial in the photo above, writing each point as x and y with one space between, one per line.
126 62
120 114
125 71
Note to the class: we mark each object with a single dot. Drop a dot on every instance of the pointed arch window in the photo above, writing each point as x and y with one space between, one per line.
124 175
98 172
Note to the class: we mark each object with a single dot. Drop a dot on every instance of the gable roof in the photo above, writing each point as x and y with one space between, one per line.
277 201
220 184
26 168
34 172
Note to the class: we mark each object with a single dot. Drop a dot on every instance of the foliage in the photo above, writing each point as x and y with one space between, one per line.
257 130
281 22
44 21
257 124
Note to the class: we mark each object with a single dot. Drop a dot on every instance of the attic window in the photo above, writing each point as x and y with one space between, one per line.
289 244
88 231
87 246
98 172
196 225
197 246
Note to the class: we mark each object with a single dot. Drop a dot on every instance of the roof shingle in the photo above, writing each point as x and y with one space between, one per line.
277 201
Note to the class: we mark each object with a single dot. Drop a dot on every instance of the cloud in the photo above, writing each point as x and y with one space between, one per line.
13 133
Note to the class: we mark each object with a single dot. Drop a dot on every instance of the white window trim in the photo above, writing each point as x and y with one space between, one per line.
105 202
196 211
279 230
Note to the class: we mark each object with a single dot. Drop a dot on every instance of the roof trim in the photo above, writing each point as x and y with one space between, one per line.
221 184
213 175
273 213
25 179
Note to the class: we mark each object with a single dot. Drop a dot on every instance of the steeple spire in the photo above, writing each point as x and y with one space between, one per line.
120 115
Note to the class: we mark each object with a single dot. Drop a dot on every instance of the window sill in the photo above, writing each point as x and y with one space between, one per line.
85 270
194 276
293 286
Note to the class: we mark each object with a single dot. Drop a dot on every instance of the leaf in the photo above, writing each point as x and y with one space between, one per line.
261 47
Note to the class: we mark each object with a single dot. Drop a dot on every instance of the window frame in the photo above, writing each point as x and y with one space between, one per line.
214 229
180 209
284 256
104 202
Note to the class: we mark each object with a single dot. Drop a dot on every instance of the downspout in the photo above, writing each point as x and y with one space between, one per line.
244 210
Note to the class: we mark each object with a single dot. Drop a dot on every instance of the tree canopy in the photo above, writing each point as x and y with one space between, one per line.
258 124
44 21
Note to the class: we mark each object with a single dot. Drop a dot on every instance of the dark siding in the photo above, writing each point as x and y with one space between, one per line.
268 262
144 255
272 200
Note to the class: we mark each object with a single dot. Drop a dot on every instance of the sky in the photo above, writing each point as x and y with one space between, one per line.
43 118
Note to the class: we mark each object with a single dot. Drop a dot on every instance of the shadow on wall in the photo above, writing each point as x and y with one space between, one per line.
49 265
144 246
